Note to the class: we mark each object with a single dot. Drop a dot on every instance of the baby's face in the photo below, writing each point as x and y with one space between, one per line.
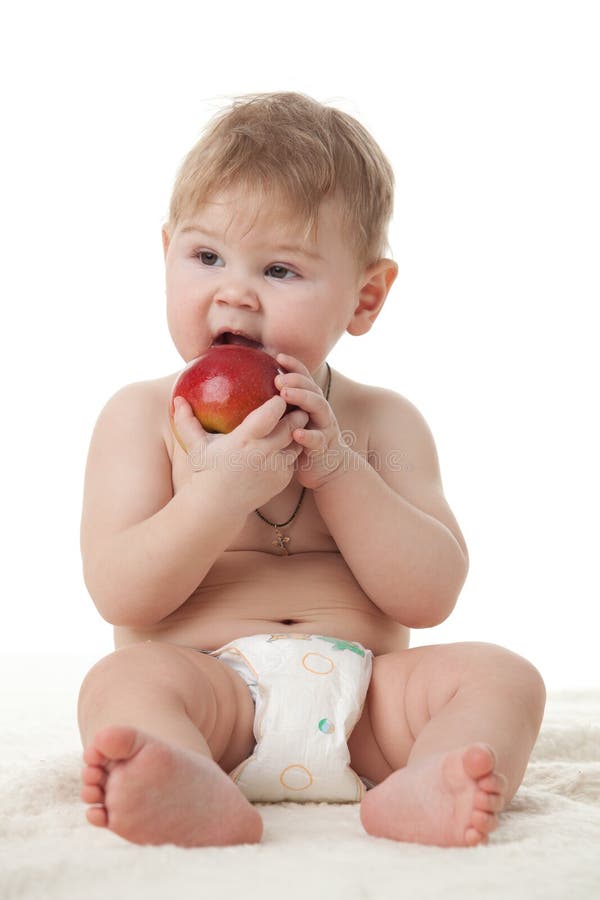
291 295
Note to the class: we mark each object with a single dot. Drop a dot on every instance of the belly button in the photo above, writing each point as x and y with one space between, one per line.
287 622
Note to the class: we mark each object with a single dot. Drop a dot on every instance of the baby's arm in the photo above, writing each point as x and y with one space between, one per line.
144 550
407 552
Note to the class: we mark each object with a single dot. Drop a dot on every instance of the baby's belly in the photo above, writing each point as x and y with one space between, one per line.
252 592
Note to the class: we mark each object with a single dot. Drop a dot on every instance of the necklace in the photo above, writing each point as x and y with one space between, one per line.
282 539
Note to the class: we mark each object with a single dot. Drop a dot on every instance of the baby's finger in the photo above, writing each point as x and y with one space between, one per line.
289 424
290 454
310 439
315 404
291 364
186 427
262 421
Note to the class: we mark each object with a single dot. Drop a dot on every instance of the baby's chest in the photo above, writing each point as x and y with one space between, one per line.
290 522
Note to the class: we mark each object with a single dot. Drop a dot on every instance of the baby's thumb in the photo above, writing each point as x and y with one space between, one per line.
262 420
187 429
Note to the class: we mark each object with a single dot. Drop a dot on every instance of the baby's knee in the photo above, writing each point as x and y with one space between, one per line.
99 677
532 687
518 674
117 668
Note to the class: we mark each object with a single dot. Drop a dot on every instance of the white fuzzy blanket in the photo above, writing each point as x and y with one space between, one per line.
547 845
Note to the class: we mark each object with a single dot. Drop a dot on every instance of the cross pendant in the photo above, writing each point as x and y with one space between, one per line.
281 540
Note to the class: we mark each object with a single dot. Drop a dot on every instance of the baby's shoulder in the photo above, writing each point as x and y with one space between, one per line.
391 422
372 402
145 403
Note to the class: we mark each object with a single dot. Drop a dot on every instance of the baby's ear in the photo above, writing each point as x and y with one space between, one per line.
165 240
376 283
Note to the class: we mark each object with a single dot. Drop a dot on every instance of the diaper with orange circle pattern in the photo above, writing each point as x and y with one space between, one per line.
309 692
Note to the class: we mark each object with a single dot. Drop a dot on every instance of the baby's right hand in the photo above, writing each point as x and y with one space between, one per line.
256 459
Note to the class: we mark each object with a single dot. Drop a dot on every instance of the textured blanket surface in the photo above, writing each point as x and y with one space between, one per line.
547 845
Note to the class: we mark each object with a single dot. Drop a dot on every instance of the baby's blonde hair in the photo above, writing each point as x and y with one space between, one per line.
287 145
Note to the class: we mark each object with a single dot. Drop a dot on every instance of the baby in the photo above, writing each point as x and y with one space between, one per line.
305 542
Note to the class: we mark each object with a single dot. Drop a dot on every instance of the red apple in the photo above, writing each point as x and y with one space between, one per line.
225 384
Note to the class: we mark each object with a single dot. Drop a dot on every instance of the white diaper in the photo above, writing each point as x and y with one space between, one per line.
309 692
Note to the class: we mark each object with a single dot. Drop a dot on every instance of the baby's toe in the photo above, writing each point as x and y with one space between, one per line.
474 837
495 783
93 757
97 815
479 761
91 793
483 821
94 775
493 803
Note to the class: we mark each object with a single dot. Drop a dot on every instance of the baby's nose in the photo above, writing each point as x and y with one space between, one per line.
237 293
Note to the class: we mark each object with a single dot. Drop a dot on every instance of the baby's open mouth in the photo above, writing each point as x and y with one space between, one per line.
229 338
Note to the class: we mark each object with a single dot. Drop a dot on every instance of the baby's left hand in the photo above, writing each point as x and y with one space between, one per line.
324 449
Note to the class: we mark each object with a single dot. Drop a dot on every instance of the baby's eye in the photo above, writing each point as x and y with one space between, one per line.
280 272
207 257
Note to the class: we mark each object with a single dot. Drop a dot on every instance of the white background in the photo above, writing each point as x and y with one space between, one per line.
488 112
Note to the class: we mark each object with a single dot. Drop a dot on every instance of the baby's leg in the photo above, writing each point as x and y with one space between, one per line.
456 724
161 725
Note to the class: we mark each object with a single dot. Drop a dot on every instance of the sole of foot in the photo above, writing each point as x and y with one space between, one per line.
448 799
151 792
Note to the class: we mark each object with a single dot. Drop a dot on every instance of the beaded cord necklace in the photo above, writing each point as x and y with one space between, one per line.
282 539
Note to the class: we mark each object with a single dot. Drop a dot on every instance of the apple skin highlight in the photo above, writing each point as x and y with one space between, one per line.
225 384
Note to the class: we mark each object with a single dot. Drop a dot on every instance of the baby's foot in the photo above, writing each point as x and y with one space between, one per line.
151 792
449 799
